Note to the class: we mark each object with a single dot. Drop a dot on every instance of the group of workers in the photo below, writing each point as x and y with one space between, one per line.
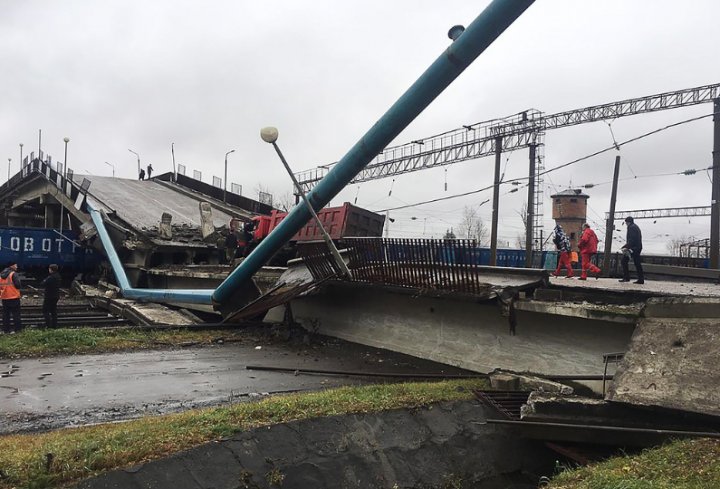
10 295
587 246
236 243
141 175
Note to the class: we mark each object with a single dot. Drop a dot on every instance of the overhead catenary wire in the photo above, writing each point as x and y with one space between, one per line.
564 165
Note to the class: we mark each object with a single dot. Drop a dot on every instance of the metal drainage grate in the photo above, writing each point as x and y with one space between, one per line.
508 403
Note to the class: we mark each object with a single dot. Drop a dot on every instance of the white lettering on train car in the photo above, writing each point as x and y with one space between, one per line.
15 243
29 244
46 244
59 242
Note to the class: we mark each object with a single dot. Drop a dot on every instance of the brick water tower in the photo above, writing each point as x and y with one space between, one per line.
570 211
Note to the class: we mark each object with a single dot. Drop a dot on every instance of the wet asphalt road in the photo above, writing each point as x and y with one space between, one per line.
49 393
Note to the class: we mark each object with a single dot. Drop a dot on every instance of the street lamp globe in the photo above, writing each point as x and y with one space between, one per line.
66 139
269 134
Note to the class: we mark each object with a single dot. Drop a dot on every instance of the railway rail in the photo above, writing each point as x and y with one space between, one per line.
72 312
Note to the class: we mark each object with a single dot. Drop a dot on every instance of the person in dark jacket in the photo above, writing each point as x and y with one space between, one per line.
52 296
231 244
632 248
562 243
10 295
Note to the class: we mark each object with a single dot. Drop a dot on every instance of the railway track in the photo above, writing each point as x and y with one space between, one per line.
72 312
94 318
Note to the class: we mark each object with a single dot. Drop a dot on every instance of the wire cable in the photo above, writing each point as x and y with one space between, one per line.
564 165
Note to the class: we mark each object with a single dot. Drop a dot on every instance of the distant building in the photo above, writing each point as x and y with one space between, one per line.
570 211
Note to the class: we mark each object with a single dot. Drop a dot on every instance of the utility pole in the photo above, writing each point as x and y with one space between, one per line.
530 216
64 185
496 202
610 223
715 202
225 181
172 150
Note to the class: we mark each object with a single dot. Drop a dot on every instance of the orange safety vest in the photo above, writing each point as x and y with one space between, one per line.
7 289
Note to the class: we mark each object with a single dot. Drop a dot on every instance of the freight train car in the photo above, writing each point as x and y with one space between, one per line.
33 249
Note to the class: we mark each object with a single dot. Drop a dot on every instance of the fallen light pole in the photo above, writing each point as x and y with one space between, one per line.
270 135
467 45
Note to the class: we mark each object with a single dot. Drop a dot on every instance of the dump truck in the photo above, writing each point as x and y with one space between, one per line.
340 222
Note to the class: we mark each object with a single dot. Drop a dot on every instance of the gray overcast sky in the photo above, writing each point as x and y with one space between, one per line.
207 76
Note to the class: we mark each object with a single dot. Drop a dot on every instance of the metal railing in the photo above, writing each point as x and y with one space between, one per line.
449 265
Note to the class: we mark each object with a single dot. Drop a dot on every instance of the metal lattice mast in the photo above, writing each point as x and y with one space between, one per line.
538 224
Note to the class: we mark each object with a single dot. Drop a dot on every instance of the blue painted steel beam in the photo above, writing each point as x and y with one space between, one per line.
188 296
497 17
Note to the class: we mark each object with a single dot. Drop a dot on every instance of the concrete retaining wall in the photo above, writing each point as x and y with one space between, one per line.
429 447
465 334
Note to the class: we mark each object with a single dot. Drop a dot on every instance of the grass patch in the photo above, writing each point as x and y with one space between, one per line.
43 342
80 453
682 464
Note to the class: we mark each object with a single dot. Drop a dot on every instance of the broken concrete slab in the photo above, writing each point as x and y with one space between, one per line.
529 382
616 313
671 363
548 407
649 288
141 313
682 307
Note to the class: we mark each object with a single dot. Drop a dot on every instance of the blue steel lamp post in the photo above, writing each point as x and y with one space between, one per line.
466 46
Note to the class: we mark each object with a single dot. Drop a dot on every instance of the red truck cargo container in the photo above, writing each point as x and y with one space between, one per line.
262 227
340 222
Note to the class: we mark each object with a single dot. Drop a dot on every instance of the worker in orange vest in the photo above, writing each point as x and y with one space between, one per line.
588 247
10 295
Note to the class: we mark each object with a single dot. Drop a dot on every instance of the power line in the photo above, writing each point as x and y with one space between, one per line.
564 165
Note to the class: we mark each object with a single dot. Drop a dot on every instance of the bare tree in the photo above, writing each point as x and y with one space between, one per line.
285 202
674 246
472 226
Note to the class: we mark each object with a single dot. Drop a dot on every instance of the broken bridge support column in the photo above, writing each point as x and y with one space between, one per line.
206 222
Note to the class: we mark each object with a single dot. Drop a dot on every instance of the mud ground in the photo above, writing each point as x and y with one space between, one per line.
50 393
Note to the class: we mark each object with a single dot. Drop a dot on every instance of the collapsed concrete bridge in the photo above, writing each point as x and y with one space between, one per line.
521 334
